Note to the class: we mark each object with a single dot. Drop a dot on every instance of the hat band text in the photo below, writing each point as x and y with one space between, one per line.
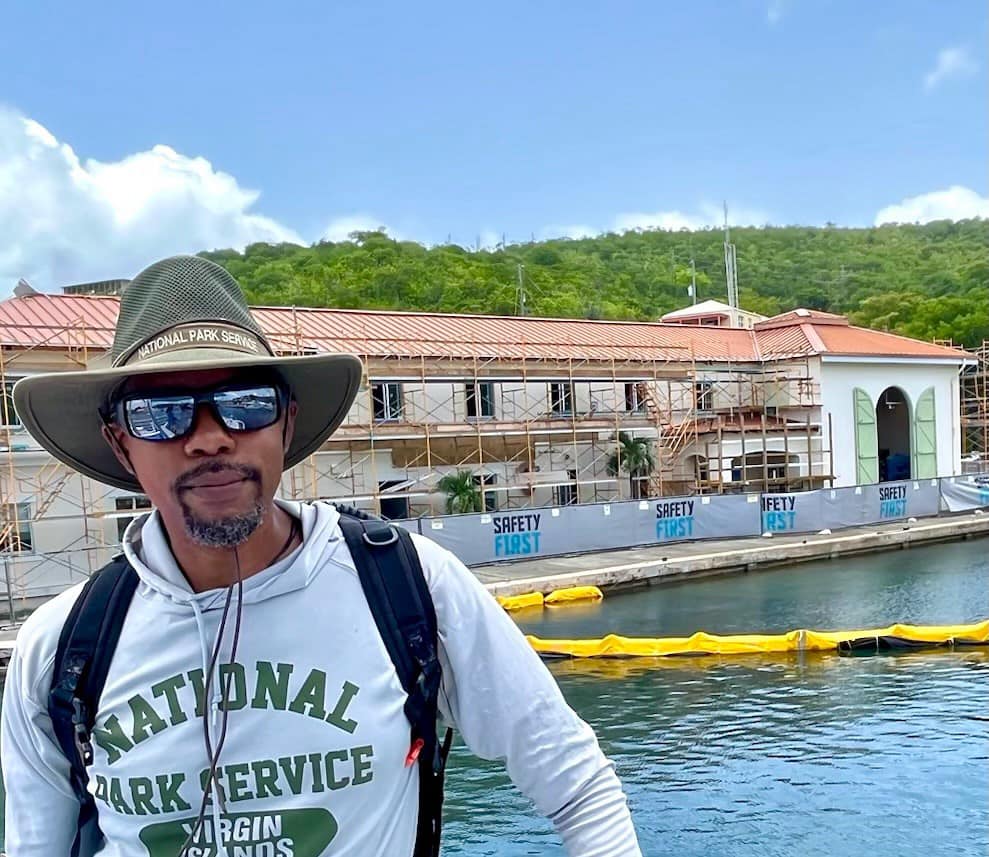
187 336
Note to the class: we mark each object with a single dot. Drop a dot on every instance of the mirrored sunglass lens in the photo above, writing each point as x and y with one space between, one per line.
160 417
248 408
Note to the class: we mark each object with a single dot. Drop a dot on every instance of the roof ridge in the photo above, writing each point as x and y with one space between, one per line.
812 337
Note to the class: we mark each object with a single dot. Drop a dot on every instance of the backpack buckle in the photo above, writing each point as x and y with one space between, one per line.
373 537
80 732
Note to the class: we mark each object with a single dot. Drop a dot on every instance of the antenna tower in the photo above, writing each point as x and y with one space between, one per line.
731 268
520 290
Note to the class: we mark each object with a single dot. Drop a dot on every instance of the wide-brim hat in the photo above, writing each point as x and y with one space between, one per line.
182 314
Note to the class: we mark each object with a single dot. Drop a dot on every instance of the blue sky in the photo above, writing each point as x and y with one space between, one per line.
160 123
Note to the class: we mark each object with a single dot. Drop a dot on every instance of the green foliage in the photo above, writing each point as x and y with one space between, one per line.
929 281
462 494
634 456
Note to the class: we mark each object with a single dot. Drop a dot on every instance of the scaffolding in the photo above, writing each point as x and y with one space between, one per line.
36 488
536 430
974 386
539 426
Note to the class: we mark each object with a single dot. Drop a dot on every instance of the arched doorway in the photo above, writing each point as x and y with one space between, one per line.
893 435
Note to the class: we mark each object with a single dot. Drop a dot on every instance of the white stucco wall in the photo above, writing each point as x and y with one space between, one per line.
839 377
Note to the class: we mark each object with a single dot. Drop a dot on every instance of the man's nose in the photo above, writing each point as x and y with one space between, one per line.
209 436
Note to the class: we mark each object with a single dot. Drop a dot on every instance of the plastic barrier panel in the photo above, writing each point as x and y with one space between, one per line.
609 525
528 533
963 493
677 519
843 507
894 501
515 534
799 512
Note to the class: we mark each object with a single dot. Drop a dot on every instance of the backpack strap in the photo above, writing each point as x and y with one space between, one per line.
82 660
396 591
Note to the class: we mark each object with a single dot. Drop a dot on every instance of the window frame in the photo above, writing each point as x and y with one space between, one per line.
703 396
9 418
139 504
566 494
561 397
479 396
634 403
485 482
391 400
16 544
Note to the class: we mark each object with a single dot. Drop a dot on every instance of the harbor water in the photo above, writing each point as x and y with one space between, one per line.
844 756
757 756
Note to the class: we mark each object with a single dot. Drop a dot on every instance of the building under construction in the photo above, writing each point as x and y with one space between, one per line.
527 412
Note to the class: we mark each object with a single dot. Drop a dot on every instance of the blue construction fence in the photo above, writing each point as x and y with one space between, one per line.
515 534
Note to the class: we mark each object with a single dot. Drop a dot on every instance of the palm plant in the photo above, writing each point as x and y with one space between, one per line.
633 456
462 495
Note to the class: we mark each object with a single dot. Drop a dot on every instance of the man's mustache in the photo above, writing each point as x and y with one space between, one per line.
190 476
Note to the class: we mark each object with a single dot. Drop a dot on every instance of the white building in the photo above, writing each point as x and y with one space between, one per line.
713 314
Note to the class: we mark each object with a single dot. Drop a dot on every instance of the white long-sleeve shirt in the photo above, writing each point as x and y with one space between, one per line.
314 760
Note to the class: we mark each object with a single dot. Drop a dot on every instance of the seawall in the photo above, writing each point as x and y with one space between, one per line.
657 564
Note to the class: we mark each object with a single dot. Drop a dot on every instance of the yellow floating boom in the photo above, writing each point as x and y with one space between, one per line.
521 602
557 598
573 594
701 643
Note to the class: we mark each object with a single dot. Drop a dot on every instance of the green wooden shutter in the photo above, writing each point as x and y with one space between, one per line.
924 437
866 439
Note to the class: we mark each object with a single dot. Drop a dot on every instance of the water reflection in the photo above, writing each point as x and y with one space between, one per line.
819 754
801 754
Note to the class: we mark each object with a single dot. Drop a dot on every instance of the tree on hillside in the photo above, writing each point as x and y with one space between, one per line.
922 281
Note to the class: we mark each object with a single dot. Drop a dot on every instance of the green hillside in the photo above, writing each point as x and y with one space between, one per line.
928 281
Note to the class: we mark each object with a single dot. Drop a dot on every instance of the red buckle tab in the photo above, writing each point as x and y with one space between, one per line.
414 751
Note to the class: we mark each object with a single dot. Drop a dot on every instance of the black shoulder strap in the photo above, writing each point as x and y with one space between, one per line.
85 649
396 591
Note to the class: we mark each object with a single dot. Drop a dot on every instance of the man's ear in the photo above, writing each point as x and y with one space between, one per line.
110 436
289 431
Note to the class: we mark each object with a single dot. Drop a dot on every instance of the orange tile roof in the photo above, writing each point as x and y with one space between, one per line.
58 321
806 332
386 333
66 321
863 342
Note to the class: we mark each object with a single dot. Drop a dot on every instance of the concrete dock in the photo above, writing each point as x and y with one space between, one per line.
656 564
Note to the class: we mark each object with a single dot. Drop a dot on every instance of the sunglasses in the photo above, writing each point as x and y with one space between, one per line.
161 416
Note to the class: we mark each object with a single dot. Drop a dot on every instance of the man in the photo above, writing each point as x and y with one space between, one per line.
306 748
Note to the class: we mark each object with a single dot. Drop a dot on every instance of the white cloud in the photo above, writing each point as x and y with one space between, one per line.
672 220
954 203
340 228
489 239
706 216
774 11
65 220
574 230
951 63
